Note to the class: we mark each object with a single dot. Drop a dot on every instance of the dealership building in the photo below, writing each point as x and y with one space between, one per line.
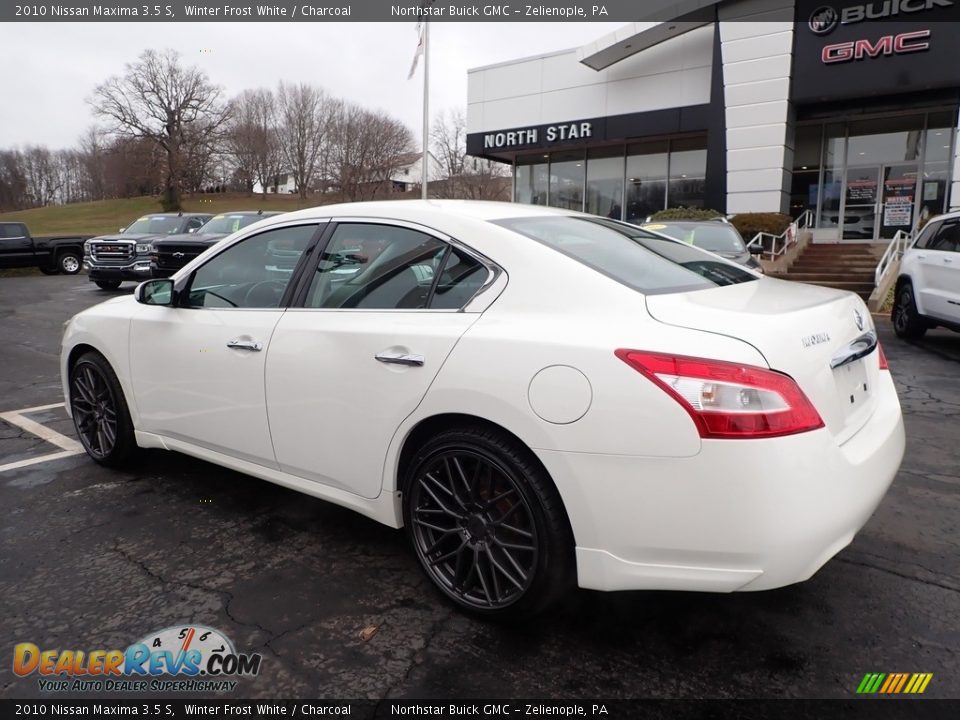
846 109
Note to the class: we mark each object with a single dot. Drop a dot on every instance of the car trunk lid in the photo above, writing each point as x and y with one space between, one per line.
800 330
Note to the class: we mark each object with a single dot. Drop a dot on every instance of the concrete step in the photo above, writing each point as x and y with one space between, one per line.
829 277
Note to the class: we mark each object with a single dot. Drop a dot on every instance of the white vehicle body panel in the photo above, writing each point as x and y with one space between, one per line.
651 504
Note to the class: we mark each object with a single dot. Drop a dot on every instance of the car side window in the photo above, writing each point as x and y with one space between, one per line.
947 238
460 278
13 230
376 267
253 273
929 230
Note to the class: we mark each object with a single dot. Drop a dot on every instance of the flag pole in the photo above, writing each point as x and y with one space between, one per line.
424 177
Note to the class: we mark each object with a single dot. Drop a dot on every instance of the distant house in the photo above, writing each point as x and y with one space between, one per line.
409 171
283 183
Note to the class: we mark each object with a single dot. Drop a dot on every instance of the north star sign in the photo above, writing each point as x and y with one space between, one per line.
531 136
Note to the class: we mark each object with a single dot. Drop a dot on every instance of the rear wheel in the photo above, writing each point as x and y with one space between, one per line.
99 410
487 524
69 262
108 284
907 322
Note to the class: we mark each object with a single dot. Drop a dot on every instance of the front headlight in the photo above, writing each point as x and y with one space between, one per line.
86 247
144 248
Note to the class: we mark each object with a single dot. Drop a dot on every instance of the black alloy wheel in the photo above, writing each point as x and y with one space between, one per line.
100 413
486 524
907 322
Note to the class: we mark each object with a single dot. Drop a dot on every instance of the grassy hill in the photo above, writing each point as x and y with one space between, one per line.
107 216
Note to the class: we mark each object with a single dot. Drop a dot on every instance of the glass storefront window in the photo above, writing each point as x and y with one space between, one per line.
808 142
834 153
885 140
688 169
605 182
566 180
531 180
646 180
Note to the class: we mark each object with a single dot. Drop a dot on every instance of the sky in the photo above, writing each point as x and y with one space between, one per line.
58 65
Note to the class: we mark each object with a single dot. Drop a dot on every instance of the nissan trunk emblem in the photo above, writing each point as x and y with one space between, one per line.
858 319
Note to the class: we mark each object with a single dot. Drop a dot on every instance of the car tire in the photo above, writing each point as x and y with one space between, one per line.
99 409
69 262
907 323
487 525
108 284
50 270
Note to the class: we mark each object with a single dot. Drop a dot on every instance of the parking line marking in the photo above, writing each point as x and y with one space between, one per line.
43 458
68 446
16 417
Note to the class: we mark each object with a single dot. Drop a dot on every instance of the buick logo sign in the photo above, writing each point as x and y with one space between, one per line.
823 20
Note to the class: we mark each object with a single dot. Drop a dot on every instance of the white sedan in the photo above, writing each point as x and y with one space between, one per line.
541 398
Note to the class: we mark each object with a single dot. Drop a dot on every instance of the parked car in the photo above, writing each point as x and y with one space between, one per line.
539 397
174 251
718 237
51 253
111 259
927 292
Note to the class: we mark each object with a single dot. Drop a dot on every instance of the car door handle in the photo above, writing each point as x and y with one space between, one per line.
400 358
251 345
854 350
948 260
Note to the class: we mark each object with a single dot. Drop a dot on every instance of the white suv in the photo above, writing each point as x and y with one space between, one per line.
928 289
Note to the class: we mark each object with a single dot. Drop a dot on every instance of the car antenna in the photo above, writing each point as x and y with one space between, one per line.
180 214
260 211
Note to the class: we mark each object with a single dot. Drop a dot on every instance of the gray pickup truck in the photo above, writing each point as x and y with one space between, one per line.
51 253
111 259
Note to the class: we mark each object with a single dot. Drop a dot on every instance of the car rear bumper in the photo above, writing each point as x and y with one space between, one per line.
740 515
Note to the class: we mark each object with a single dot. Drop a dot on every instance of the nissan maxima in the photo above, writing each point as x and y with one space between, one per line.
540 398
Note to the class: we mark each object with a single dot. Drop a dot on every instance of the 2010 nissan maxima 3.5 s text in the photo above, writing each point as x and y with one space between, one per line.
539 397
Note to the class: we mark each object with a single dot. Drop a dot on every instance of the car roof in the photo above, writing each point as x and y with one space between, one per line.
711 223
259 213
401 209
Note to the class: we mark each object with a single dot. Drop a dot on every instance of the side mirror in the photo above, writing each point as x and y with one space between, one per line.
155 292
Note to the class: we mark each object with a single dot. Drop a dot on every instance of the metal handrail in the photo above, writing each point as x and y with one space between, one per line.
788 236
894 251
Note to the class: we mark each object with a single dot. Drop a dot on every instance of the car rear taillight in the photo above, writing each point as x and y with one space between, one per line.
729 400
882 358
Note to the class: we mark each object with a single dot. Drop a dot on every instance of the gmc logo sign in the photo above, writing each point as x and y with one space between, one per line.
887 45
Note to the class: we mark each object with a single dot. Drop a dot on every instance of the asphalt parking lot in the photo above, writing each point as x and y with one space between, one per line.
94 558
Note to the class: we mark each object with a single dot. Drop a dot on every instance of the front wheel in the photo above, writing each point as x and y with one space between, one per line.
50 270
99 410
487 524
108 284
69 262
907 323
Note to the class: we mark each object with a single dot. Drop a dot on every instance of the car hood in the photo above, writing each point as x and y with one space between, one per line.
124 237
798 328
199 239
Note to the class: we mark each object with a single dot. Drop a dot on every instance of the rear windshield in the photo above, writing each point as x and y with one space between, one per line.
718 237
629 255
226 224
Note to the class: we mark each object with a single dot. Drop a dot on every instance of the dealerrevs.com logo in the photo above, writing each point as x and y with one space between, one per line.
184 658
825 18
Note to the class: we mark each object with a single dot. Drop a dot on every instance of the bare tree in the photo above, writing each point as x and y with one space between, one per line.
468 177
175 107
251 140
366 149
13 181
303 118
